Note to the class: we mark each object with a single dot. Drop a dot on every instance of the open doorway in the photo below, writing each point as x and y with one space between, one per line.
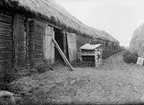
59 37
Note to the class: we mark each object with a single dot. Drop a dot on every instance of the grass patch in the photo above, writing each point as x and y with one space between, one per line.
82 64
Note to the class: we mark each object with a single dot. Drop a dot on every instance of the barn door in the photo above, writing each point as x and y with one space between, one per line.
72 46
48 45
36 32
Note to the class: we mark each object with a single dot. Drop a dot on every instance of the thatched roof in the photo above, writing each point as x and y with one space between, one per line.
49 10
106 34
137 42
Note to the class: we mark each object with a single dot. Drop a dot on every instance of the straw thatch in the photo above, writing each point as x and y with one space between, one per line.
137 42
106 34
49 10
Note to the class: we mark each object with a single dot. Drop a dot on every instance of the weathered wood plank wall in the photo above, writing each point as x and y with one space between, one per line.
21 42
81 40
6 33
109 48
36 32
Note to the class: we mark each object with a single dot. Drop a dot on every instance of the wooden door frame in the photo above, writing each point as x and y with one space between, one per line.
65 44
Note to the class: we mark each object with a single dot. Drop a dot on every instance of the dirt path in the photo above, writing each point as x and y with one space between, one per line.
115 62
115 82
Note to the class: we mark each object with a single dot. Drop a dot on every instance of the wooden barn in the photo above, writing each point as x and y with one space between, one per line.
28 26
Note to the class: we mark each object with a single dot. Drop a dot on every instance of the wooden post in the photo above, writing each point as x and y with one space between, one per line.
98 62
27 44
96 58
52 56
64 43
62 54
15 41
80 55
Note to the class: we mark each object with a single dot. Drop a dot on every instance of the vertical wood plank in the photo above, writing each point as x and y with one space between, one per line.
27 44
52 48
48 45
65 43
33 47
72 46
45 42
30 44
15 41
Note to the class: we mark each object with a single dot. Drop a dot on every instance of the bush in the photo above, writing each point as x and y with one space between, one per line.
108 53
129 57
8 76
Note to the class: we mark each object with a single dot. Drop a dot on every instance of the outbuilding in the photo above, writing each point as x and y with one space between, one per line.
26 31
91 53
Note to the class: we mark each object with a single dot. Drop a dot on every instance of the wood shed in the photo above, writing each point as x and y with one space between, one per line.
91 53
27 28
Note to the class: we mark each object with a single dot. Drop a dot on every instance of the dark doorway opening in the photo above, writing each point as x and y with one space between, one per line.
59 39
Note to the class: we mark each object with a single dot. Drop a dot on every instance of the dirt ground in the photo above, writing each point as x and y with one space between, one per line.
114 82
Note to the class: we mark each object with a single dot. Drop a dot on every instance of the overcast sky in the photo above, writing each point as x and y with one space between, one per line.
118 17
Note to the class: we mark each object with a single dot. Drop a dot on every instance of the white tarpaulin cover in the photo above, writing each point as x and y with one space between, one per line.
140 61
90 47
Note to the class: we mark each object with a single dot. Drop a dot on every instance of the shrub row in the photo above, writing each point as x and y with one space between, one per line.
108 53
129 57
